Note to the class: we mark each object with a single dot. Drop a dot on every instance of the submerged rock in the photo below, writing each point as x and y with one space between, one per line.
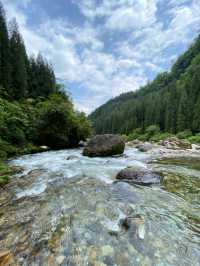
104 145
138 177
135 224
60 259
175 143
72 157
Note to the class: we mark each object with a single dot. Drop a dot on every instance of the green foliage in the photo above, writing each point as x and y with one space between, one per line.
125 138
58 126
184 134
195 139
152 130
5 171
161 136
171 101
4 180
51 122
135 134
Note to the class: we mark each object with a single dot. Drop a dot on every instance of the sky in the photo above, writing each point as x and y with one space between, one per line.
101 48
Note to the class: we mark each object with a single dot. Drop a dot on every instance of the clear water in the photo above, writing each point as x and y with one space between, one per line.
70 212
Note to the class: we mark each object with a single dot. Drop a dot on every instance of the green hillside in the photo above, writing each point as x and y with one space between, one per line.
171 101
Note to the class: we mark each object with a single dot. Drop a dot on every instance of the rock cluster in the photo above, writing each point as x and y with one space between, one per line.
175 143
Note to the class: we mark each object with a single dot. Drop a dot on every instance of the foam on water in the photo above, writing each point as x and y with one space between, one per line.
56 163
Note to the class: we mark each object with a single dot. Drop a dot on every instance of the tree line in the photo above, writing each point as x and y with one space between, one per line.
21 76
171 101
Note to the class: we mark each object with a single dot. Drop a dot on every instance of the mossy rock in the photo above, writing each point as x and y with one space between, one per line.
104 145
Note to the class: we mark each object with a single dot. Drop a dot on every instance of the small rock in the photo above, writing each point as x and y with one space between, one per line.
107 250
195 147
17 169
82 143
72 157
138 177
60 259
137 224
145 147
45 148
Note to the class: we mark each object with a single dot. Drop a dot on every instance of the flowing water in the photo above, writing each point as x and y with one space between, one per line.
66 209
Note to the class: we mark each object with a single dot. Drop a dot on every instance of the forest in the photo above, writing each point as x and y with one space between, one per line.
170 103
34 109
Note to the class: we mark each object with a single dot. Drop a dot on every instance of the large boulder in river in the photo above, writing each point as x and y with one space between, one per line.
139 177
104 145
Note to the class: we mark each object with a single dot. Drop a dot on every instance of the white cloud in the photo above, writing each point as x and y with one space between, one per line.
136 16
80 54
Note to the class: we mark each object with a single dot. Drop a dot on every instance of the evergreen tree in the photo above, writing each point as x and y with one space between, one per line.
19 61
41 78
196 120
4 51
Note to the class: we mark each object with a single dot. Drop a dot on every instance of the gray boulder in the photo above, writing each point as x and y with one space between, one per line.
145 147
104 145
138 177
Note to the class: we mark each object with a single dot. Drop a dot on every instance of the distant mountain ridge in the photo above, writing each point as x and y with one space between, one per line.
171 101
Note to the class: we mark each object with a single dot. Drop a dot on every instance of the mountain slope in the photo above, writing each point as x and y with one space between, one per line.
171 101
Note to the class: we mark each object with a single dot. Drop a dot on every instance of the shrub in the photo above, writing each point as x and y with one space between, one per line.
195 139
125 138
184 134
161 136
143 137
4 180
58 125
135 134
152 130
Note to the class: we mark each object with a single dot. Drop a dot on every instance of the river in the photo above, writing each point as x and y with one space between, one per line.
66 209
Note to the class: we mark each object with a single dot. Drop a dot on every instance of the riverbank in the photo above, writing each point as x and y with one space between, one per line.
6 171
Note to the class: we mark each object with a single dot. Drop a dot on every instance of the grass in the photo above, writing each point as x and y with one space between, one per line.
5 172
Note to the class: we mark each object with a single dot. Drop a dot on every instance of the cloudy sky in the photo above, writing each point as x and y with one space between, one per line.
101 48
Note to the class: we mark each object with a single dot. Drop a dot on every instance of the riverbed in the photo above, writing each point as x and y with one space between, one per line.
67 209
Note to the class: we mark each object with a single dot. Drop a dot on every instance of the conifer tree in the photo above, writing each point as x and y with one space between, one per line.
4 51
41 78
182 116
19 61
196 119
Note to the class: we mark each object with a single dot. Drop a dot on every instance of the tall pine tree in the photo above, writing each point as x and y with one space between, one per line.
4 51
19 61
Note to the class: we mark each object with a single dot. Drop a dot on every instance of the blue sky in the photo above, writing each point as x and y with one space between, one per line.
101 48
